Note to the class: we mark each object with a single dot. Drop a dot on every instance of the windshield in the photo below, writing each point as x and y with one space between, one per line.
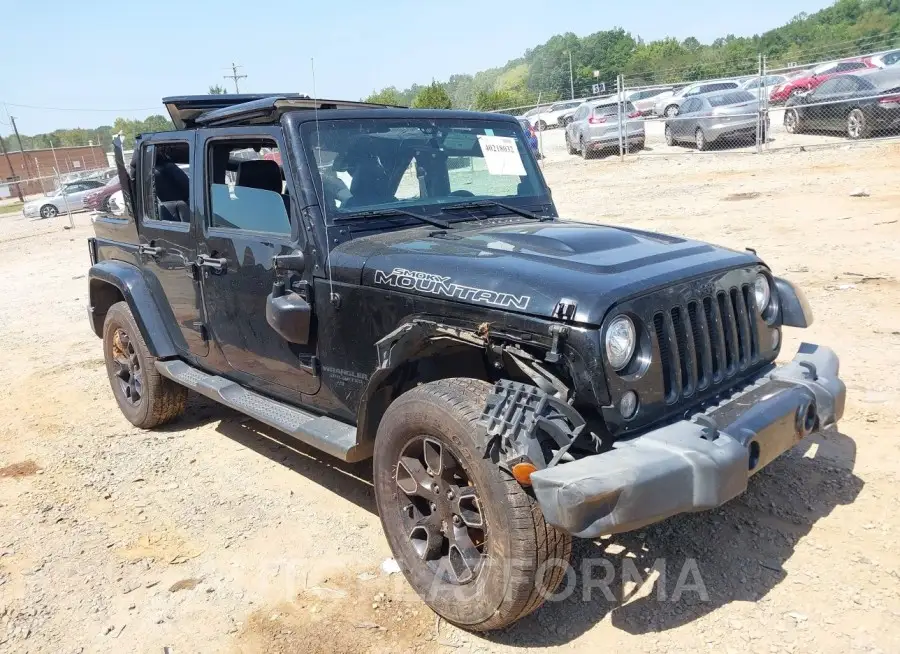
824 68
401 163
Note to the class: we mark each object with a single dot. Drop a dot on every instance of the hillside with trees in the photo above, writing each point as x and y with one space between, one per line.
846 28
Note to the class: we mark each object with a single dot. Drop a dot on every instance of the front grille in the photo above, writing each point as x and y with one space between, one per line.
706 342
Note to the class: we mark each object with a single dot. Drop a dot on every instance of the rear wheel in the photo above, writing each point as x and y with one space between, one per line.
671 111
144 396
700 138
469 539
857 125
586 152
792 124
540 125
670 137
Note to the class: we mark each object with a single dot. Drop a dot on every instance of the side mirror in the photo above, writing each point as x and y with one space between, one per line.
289 314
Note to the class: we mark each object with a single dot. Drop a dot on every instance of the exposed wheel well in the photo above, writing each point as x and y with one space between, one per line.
102 296
453 359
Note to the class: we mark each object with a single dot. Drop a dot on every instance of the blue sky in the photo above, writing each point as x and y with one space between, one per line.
128 55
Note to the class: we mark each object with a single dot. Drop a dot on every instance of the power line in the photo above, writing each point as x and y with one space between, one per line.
33 106
234 76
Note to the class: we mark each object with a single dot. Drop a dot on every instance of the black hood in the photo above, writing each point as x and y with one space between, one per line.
529 267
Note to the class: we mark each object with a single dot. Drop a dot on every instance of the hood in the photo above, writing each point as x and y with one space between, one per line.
529 267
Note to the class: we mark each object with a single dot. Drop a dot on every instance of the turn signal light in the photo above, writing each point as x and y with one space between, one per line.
522 472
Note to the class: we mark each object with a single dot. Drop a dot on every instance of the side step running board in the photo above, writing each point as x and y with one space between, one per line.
332 436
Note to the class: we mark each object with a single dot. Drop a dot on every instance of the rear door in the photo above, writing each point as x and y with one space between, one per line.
248 218
167 238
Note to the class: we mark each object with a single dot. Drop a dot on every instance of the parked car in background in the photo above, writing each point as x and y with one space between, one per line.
530 136
644 100
595 127
757 86
550 116
99 200
858 105
819 74
706 119
69 197
670 106
885 59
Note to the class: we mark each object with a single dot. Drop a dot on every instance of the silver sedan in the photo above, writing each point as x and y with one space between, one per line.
595 127
69 197
708 118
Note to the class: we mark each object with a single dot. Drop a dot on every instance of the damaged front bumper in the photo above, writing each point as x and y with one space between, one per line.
697 463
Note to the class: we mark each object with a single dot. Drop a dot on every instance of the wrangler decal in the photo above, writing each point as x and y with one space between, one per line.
438 285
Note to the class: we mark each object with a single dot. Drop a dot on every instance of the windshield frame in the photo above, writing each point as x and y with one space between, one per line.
302 126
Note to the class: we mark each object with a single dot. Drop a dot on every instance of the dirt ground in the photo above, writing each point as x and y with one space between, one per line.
213 535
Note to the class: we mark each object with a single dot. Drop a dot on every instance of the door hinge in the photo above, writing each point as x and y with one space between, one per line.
202 330
310 365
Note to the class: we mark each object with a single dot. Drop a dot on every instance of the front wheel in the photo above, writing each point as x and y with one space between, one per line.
49 211
540 126
569 147
469 539
857 125
144 396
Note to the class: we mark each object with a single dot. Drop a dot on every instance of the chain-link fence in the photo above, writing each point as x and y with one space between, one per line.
744 109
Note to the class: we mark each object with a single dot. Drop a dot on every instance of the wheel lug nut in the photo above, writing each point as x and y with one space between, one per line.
456 521
450 495
433 507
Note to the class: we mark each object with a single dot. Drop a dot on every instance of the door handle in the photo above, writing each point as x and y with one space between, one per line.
216 265
150 250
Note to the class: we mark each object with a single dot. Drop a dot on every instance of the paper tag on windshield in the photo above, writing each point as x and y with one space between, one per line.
501 155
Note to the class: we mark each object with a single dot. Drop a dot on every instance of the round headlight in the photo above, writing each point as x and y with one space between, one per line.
620 342
763 292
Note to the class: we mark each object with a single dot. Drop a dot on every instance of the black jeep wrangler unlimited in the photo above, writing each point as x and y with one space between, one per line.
396 283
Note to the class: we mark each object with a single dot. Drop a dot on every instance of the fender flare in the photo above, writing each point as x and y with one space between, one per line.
795 309
132 287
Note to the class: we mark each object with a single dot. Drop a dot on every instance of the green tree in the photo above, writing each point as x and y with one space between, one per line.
216 89
433 96
388 95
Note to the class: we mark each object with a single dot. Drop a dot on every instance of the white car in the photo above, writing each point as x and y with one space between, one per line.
550 116
885 59
69 197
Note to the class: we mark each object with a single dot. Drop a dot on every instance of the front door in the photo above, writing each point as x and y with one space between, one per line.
247 211
167 240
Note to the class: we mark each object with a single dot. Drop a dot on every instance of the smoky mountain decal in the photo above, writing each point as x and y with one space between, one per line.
438 285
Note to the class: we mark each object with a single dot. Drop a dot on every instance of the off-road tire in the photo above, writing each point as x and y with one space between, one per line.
162 399
526 557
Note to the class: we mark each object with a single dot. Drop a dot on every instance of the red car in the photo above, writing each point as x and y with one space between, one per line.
819 74
99 199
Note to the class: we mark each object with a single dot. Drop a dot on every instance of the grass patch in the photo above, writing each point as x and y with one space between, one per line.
15 207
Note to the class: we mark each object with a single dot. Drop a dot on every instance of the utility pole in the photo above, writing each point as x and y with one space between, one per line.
11 169
12 119
234 76
571 77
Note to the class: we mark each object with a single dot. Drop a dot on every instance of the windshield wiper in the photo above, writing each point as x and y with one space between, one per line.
482 204
373 213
